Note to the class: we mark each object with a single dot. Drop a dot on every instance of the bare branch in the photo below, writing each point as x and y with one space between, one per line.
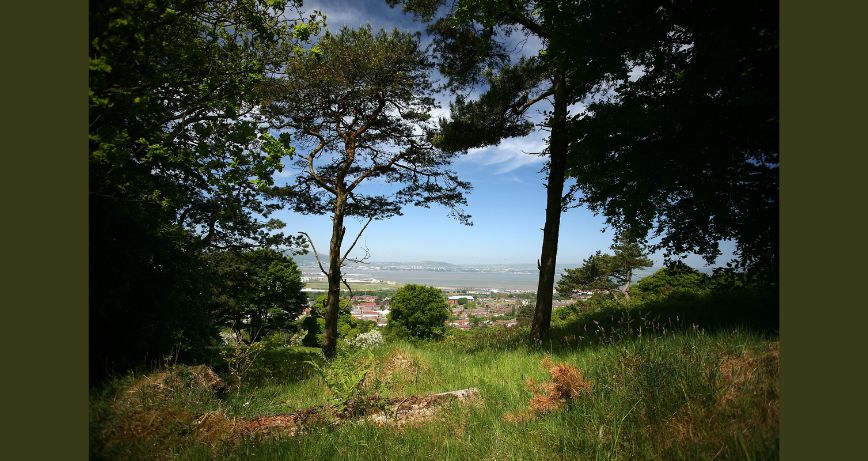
348 289
319 180
520 109
381 103
313 247
364 259
375 169
356 240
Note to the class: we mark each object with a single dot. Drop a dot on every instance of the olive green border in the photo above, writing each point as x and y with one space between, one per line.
45 228
45 191
823 125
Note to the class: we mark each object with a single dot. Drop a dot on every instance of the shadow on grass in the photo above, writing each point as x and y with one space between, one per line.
586 326
276 365
751 310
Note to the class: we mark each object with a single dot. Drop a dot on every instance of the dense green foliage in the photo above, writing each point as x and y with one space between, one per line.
673 278
524 316
260 291
594 274
628 255
417 312
604 272
688 148
178 164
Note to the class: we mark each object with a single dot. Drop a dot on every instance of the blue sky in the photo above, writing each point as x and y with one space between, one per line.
507 203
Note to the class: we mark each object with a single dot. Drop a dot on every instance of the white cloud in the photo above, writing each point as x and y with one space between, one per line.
510 155
636 72
439 112
576 109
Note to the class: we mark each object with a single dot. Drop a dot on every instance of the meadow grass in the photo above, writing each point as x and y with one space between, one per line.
677 391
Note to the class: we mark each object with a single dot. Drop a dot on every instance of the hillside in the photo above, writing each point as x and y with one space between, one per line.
673 379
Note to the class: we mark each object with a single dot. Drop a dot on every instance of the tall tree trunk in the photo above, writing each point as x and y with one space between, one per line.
330 338
554 204
626 288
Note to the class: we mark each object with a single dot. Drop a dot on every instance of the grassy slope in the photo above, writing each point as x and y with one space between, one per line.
675 392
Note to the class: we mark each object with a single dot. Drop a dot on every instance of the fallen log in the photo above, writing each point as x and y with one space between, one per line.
398 410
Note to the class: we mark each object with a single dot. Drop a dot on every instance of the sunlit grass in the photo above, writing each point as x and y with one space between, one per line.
682 393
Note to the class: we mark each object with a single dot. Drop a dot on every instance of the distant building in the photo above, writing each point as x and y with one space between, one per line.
455 300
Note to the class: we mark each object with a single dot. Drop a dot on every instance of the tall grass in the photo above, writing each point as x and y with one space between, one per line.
678 390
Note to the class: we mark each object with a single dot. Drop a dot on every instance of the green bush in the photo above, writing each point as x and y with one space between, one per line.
417 312
677 277
497 338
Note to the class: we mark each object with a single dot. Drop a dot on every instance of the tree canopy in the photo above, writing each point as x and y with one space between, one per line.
260 291
688 148
675 277
604 272
178 162
582 45
417 312
362 112
595 273
628 255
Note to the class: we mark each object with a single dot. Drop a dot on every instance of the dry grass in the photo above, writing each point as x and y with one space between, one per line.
397 371
747 403
166 383
566 385
156 407
749 373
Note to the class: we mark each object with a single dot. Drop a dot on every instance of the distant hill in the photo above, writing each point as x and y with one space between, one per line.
443 266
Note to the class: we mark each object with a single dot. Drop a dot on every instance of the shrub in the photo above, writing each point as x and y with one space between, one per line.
676 277
345 376
367 340
417 312
497 338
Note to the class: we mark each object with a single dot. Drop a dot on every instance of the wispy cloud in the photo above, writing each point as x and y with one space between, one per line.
354 14
286 173
509 155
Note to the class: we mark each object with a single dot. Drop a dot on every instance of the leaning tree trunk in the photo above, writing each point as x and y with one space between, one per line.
554 204
626 288
330 338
